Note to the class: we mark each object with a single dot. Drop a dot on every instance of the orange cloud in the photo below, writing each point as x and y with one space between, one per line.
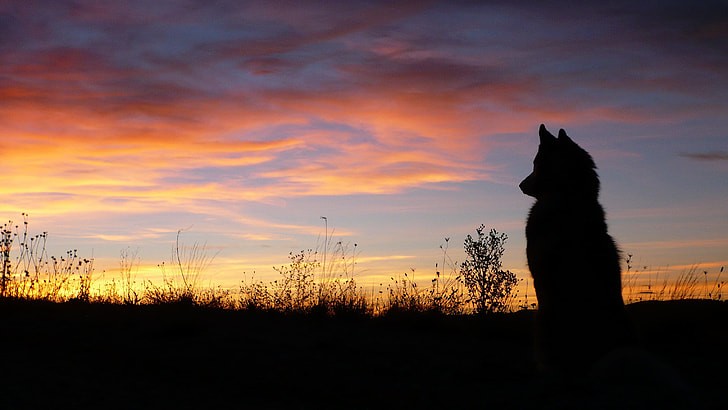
134 113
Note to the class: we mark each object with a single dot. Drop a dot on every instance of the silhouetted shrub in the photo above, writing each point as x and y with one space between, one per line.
490 288
296 289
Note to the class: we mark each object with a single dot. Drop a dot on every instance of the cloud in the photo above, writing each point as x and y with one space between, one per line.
680 244
384 258
241 118
707 156
148 105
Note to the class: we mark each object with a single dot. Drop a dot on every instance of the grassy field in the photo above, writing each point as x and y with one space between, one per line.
95 355
314 339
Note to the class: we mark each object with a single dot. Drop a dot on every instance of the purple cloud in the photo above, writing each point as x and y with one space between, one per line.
707 156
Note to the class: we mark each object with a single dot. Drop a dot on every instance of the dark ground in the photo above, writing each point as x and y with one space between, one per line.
75 355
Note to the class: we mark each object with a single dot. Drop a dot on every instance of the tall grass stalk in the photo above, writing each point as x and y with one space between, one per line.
447 294
716 291
188 264
686 284
128 268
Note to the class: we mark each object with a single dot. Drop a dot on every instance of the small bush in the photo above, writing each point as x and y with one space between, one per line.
296 289
490 288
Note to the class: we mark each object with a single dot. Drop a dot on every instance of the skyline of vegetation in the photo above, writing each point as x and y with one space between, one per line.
306 283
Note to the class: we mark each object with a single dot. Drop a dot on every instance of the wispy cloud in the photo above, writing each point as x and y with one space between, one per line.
680 244
209 109
707 156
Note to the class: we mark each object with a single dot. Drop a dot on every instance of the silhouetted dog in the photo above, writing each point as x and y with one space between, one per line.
583 336
574 262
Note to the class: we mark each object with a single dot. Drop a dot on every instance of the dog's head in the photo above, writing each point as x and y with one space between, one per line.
561 167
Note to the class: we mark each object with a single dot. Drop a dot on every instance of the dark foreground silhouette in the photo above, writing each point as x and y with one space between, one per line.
97 356
587 349
573 260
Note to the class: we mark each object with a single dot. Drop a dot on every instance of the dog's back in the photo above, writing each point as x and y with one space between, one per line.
574 262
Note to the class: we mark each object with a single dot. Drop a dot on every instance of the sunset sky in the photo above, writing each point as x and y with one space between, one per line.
245 122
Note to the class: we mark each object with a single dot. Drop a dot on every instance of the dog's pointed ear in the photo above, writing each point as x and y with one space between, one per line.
563 137
545 136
